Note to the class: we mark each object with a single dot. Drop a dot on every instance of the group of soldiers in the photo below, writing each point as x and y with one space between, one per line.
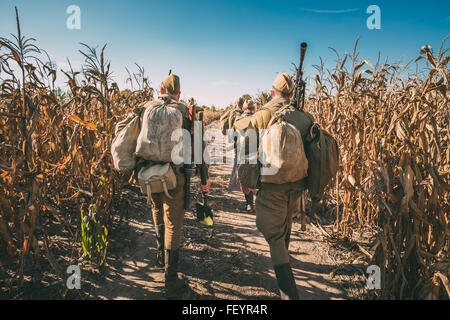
274 205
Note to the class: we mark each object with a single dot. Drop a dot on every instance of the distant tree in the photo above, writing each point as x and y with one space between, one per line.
60 94
213 108
124 94
262 97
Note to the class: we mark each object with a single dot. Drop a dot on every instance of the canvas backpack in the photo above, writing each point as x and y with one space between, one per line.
223 123
281 146
249 172
156 179
228 118
154 142
123 146
323 155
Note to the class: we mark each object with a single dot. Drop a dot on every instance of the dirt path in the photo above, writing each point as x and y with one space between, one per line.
232 262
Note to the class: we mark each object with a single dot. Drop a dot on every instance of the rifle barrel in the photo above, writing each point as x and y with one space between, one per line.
303 47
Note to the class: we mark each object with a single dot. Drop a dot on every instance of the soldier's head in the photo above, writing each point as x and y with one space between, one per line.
249 105
191 101
240 103
283 86
171 86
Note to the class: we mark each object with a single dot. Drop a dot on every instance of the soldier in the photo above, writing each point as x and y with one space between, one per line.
168 214
275 203
249 109
229 117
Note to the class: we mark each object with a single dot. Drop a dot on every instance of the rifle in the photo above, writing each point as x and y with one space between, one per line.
204 212
189 169
300 84
299 103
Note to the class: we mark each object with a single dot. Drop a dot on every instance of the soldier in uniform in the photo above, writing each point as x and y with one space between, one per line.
229 117
168 214
275 203
234 185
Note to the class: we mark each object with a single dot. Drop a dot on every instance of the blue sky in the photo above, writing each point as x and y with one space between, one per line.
223 49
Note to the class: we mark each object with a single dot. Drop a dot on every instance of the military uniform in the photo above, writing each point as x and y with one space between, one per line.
168 214
275 203
229 117
234 183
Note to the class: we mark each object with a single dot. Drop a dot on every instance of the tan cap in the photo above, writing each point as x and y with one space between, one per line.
283 83
172 84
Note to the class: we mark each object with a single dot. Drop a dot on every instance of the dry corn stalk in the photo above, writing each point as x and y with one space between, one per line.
393 134
54 151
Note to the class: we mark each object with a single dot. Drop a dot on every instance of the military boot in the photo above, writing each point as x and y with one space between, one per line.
249 200
173 285
286 282
160 245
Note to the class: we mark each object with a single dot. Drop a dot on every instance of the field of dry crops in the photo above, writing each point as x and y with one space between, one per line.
393 134
392 129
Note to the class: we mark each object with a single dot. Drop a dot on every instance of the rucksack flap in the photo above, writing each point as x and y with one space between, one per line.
154 142
323 155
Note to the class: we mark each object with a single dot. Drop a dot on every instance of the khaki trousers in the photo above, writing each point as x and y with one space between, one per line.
274 209
170 212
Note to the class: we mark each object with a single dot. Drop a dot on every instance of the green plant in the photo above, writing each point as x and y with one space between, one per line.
93 238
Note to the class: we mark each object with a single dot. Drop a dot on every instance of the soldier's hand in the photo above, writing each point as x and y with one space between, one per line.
140 163
206 188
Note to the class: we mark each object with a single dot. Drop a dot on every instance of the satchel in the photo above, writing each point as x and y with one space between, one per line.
323 154
156 179
249 173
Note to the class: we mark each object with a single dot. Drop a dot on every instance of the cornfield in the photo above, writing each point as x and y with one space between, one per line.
55 160
393 133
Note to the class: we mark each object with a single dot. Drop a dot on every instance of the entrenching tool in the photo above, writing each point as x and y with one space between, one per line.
204 212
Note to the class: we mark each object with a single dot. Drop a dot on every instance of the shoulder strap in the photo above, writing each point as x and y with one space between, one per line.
314 132
278 114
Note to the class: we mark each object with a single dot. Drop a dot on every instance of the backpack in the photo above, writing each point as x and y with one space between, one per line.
228 119
154 142
249 172
323 155
282 149
123 146
223 123
156 179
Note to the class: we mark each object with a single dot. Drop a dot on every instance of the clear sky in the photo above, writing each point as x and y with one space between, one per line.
223 49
